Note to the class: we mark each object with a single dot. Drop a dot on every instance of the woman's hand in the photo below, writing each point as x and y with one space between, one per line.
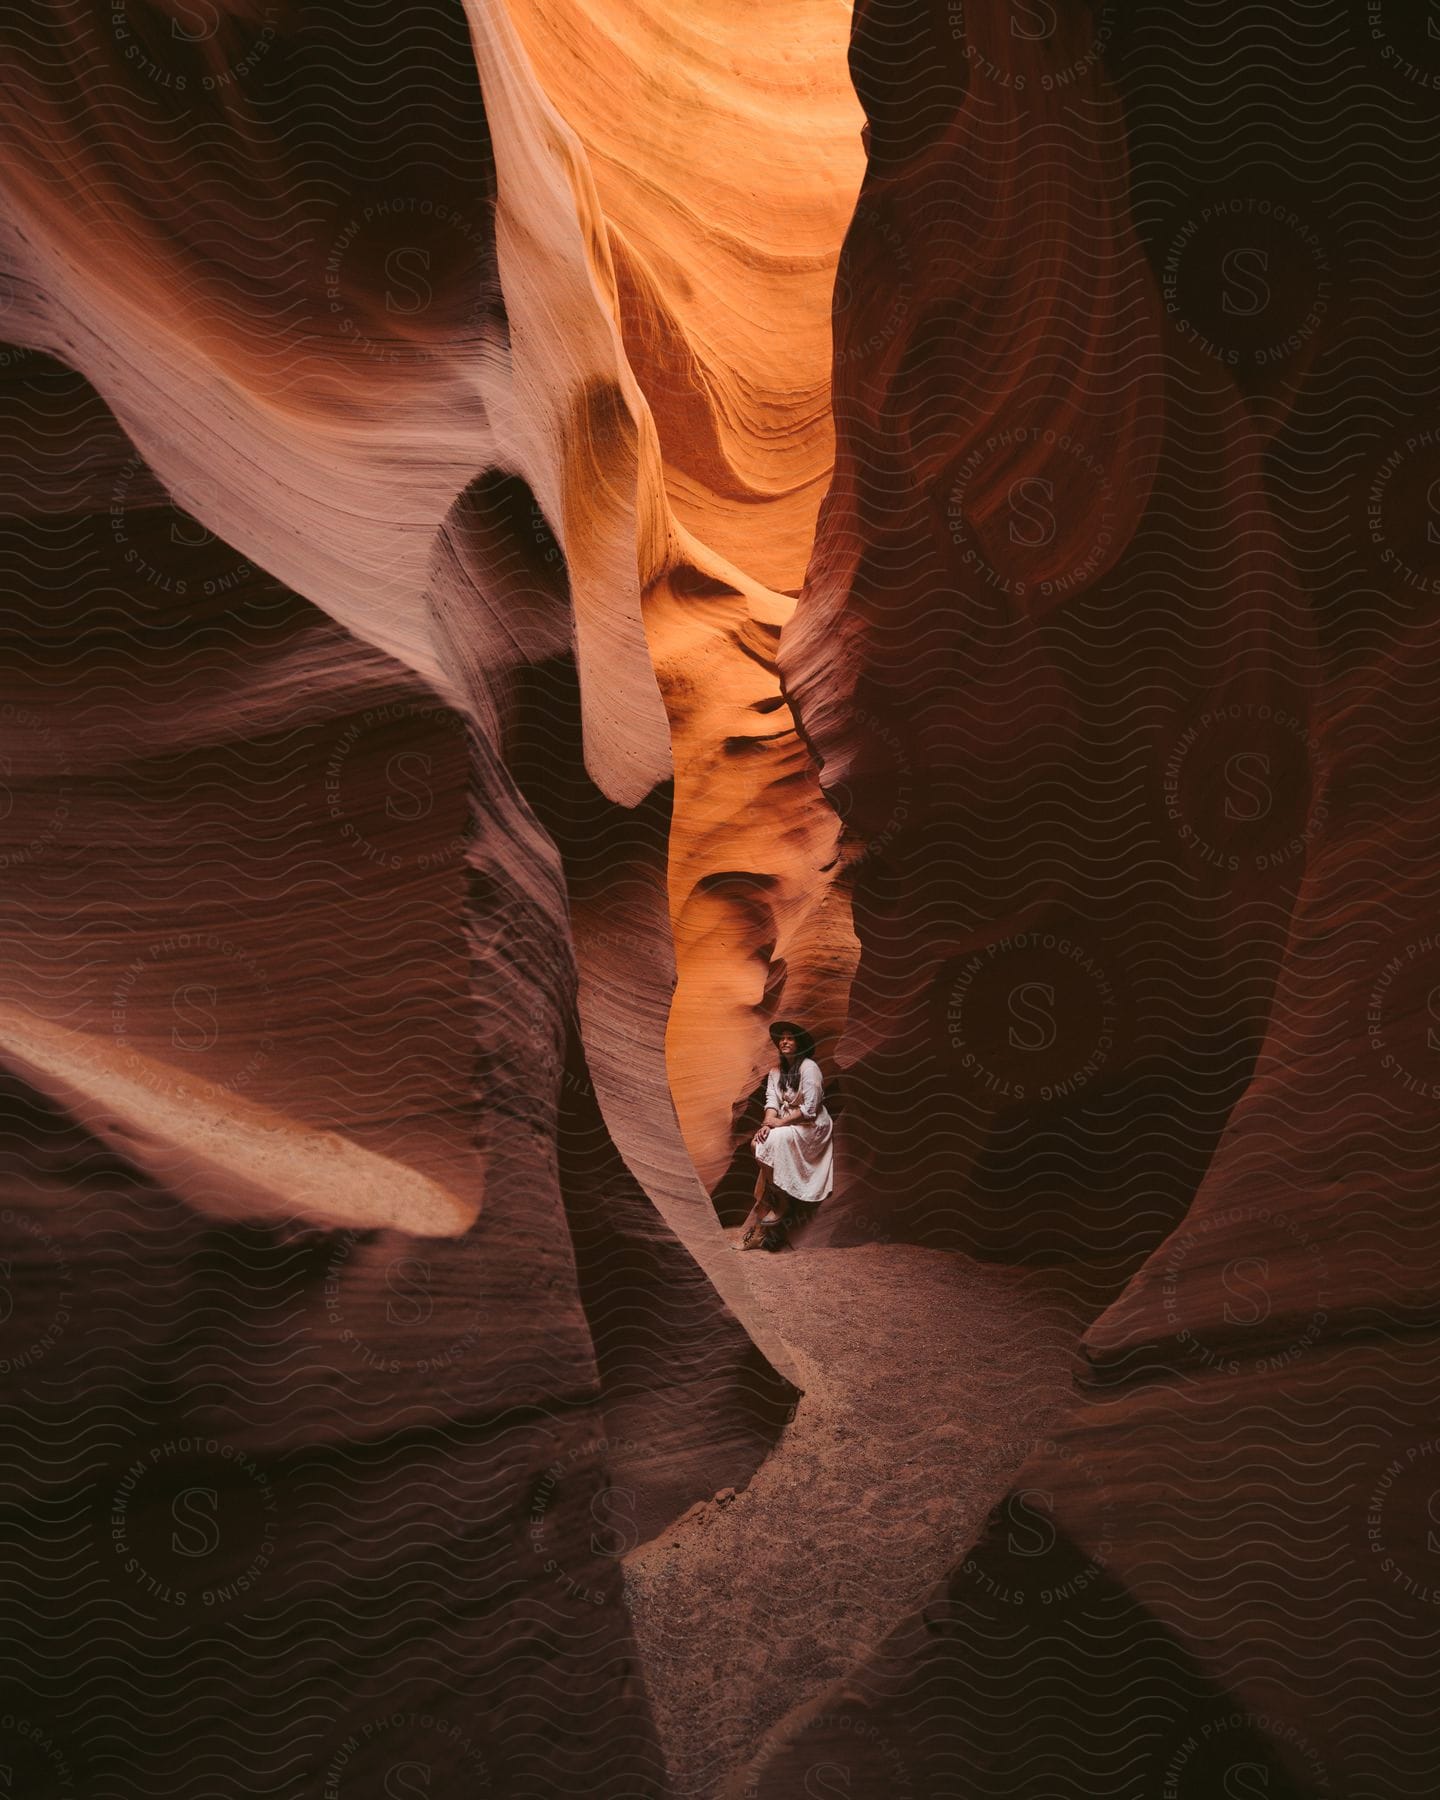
762 1134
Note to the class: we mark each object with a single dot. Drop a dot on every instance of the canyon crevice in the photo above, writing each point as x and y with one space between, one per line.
538 541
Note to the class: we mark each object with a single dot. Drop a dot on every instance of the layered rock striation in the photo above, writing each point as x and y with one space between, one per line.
1133 705
370 1305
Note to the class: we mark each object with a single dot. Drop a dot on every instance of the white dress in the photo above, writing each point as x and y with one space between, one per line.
800 1156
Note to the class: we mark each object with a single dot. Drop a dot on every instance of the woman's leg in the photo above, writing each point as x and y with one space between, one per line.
779 1218
782 1205
758 1210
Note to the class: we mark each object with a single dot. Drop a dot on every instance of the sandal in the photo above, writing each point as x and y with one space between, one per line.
762 1235
773 1233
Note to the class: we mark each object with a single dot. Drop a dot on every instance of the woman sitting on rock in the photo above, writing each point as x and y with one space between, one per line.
793 1146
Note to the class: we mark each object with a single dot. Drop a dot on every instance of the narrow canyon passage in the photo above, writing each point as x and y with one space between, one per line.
539 541
723 191
929 1379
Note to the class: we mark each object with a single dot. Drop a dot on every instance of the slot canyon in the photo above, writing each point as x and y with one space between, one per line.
542 542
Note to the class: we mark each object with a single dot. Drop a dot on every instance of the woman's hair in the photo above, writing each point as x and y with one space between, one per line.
805 1042
804 1049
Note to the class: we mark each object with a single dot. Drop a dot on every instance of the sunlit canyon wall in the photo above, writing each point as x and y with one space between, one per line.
350 1222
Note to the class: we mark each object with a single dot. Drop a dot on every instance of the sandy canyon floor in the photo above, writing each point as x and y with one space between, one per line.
928 1380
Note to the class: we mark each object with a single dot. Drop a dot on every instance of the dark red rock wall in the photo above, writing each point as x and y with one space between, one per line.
323 1503
1213 767
345 1355
1049 602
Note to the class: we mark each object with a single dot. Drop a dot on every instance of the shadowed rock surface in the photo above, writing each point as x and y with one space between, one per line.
1209 763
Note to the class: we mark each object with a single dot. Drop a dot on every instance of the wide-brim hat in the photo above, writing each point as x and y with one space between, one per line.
804 1043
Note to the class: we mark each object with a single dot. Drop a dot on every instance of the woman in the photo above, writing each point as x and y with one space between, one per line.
793 1145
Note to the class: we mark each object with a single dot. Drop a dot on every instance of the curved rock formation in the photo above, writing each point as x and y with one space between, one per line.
1208 765
723 299
725 145
1002 665
339 822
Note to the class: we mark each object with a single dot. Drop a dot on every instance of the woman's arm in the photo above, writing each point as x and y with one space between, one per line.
772 1106
773 1121
812 1098
812 1092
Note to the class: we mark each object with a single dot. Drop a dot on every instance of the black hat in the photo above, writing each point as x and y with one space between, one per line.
804 1043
